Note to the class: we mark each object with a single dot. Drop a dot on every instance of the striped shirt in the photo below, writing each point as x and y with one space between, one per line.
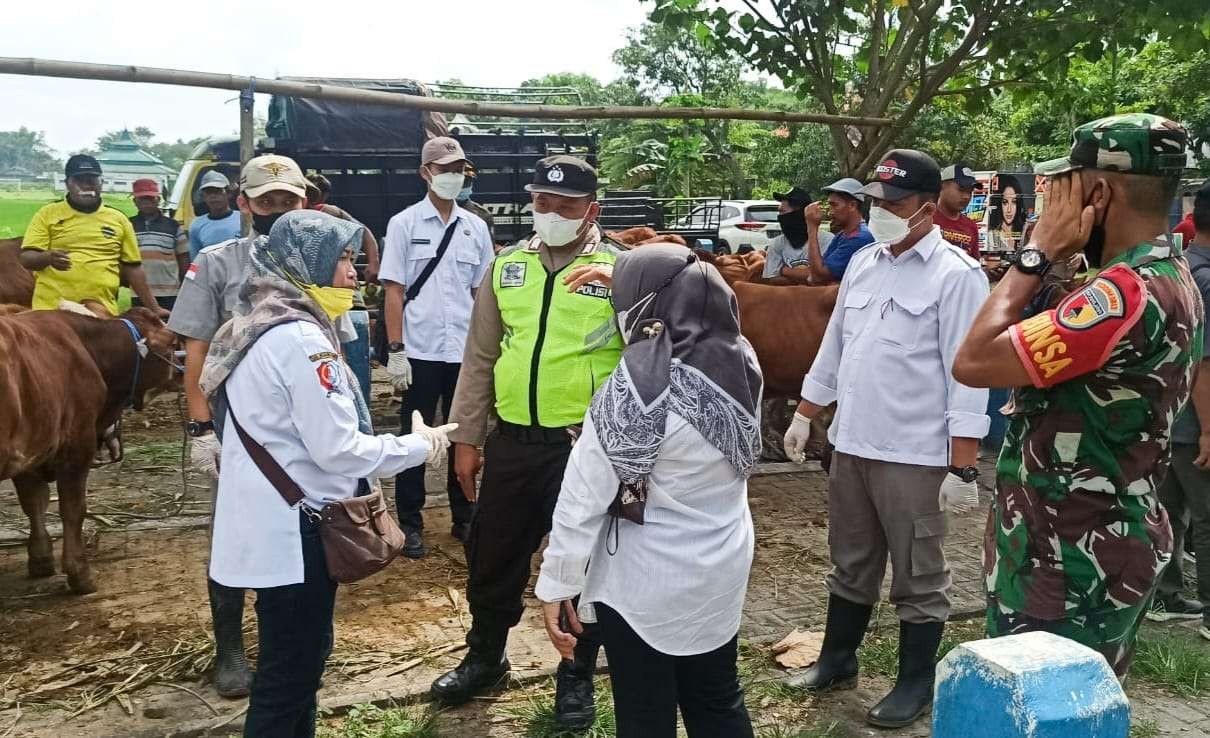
160 240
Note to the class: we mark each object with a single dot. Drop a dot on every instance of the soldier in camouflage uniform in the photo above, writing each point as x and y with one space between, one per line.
1077 537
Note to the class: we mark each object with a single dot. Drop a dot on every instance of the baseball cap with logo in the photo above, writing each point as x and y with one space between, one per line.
797 197
270 172
214 180
441 150
847 186
145 188
960 173
82 164
1132 143
564 175
903 172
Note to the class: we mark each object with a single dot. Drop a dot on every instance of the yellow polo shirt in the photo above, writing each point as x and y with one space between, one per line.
97 242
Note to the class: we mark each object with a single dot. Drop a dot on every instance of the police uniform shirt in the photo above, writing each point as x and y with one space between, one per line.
436 323
291 394
210 290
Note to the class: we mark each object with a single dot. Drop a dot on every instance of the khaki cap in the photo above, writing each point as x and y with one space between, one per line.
272 172
441 150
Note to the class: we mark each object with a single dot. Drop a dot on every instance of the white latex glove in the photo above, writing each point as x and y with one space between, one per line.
438 438
957 496
204 453
400 370
797 435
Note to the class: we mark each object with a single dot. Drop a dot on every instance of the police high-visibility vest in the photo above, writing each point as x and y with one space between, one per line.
558 346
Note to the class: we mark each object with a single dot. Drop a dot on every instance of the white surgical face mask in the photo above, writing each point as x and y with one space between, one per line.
447 185
889 228
626 323
555 230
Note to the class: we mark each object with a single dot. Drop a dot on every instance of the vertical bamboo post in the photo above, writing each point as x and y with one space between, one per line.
247 101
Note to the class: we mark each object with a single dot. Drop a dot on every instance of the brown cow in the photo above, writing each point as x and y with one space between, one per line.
64 379
16 282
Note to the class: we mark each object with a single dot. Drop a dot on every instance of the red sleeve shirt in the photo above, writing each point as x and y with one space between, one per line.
961 231
1186 230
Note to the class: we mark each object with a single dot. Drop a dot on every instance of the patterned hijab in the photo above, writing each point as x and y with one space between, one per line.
684 355
302 250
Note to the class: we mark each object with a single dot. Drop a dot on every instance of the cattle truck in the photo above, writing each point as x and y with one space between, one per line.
371 153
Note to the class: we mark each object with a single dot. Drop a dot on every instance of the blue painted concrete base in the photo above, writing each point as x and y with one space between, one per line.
1034 685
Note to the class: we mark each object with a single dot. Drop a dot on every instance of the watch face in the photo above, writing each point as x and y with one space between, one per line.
1031 258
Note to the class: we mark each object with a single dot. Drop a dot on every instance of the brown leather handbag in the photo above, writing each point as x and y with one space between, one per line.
360 536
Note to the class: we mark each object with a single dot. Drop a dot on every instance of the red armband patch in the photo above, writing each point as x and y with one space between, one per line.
1078 336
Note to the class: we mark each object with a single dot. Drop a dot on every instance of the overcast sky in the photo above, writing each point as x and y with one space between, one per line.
485 42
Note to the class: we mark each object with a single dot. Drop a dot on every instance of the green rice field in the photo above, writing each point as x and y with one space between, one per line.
16 208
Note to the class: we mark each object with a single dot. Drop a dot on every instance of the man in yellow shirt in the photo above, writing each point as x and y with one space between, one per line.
81 249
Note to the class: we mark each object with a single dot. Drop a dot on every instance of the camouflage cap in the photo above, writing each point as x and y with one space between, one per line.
1133 143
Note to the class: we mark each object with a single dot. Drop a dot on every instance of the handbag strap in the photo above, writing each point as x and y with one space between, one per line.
277 476
429 268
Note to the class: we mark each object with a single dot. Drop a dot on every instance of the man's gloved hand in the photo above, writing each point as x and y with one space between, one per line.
437 438
957 496
204 453
797 436
400 370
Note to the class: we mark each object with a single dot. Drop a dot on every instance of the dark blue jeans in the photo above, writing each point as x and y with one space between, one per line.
294 623
357 353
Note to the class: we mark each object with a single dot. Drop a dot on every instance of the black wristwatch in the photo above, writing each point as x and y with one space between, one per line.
394 347
1032 261
967 474
197 428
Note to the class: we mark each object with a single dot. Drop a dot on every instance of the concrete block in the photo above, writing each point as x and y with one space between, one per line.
1033 685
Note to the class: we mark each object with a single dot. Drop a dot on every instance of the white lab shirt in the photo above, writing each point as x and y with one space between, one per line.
888 354
679 579
291 395
436 323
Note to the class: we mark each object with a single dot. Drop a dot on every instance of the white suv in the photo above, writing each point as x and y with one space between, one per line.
742 223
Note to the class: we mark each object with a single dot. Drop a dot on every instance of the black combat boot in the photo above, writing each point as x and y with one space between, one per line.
837 664
232 678
575 708
484 666
913 692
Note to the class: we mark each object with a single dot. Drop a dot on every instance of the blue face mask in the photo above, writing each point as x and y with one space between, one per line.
465 194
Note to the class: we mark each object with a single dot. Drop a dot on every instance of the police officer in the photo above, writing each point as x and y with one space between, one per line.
270 185
906 434
543 337
1077 535
434 257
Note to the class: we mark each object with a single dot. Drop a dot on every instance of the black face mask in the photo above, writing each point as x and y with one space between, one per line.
264 223
1094 250
84 209
794 228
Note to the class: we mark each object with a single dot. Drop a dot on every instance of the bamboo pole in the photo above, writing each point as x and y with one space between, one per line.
155 75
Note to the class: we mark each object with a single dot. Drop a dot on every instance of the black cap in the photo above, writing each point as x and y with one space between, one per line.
82 164
797 197
960 173
564 175
903 172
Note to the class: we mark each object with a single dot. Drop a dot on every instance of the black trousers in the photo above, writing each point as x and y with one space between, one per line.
649 686
294 623
1185 493
517 498
432 381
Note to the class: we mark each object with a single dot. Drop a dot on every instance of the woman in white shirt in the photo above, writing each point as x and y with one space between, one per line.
276 367
652 529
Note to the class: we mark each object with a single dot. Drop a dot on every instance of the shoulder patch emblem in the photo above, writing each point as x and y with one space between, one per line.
323 356
191 272
1098 301
512 274
330 377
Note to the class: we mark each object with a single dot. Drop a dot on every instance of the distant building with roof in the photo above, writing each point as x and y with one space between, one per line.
124 160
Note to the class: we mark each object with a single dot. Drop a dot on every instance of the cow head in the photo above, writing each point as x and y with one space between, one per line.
158 373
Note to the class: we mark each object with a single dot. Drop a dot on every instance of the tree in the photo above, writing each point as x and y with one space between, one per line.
27 151
892 58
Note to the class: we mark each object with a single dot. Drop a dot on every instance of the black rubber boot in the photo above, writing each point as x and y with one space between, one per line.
575 708
485 665
913 692
232 677
837 664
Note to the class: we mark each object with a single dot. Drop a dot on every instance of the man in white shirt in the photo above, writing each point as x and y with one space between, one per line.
434 257
905 432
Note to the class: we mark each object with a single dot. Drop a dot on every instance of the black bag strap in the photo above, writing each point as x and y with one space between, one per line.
277 476
432 265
